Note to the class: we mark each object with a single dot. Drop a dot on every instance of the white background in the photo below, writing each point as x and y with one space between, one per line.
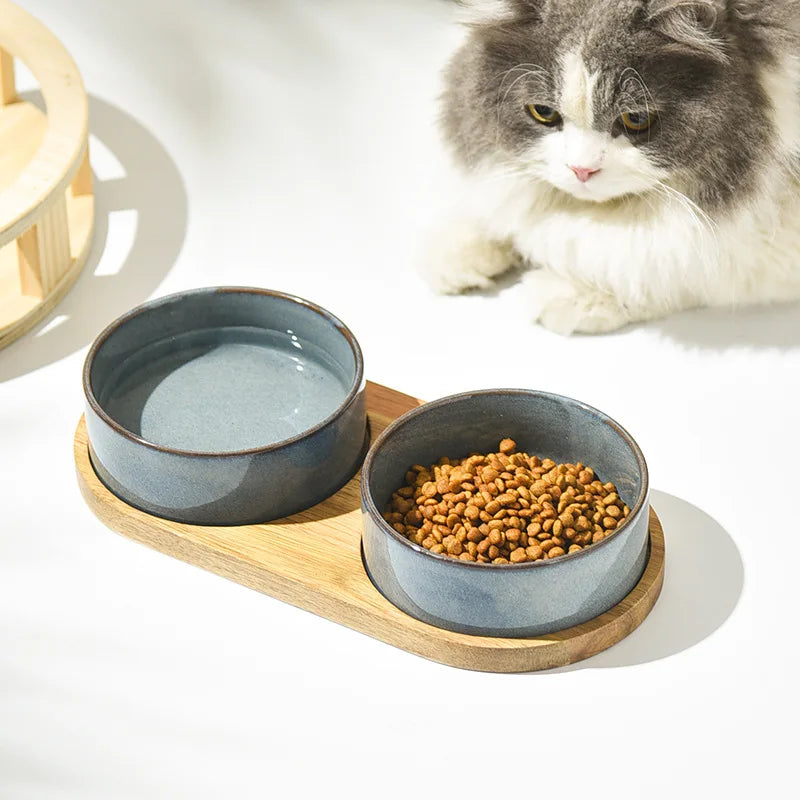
292 145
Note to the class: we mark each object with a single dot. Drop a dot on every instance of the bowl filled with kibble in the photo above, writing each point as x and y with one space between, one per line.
506 512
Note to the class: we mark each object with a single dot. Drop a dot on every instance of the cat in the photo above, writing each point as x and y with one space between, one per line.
641 157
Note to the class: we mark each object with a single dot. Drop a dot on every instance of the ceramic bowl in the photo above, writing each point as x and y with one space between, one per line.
225 406
517 600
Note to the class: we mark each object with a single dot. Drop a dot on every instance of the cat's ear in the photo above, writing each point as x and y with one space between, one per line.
698 25
485 12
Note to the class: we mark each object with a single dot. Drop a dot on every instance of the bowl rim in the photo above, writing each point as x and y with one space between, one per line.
372 509
355 388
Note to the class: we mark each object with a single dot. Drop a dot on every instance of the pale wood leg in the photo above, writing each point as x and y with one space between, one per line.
82 182
54 253
30 278
8 89
43 252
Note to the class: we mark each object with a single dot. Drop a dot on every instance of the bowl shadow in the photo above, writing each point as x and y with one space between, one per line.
703 581
152 186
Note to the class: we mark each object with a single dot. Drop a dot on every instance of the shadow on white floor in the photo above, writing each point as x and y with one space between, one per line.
757 327
153 188
703 581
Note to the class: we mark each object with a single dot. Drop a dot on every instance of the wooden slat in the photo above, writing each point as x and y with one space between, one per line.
82 182
44 254
312 560
19 312
54 254
30 269
8 87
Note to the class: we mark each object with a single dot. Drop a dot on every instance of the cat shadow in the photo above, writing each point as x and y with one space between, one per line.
151 186
761 327
703 581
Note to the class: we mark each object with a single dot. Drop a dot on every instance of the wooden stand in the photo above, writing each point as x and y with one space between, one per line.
46 198
312 560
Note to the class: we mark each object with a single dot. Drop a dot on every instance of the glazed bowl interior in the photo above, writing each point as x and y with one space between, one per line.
218 371
542 424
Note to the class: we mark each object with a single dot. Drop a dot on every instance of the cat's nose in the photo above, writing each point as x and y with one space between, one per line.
583 173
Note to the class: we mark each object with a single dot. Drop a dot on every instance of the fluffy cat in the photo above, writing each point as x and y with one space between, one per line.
641 156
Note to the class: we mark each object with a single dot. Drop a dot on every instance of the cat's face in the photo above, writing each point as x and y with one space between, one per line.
606 98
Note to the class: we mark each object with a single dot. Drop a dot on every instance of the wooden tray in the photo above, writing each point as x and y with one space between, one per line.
46 195
312 560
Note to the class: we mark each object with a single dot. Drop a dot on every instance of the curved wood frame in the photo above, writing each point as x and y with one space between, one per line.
49 208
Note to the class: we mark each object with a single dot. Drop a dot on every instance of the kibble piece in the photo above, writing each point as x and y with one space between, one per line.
507 446
472 512
454 548
493 507
539 488
497 537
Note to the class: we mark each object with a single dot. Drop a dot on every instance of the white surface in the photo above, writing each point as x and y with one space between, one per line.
293 143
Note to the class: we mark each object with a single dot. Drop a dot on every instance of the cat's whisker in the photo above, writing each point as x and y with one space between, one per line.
526 74
647 95
638 80
708 245
528 70
696 214
512 172
536 68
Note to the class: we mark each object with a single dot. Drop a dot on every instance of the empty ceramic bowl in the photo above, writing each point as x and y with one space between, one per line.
515 600
225 406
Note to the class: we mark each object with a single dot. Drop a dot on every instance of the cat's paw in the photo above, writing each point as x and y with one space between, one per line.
460 256
565 308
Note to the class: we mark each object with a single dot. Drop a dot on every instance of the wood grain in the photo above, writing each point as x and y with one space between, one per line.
312 560
46 200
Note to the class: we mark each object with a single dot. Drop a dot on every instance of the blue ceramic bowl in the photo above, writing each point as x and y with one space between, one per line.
225 406
516 600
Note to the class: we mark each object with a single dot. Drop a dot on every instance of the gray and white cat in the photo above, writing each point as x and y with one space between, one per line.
641 155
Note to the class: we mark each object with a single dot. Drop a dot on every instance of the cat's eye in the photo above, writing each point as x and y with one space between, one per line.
637 121
544 114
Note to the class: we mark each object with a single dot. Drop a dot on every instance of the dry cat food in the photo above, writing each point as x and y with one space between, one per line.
505 507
